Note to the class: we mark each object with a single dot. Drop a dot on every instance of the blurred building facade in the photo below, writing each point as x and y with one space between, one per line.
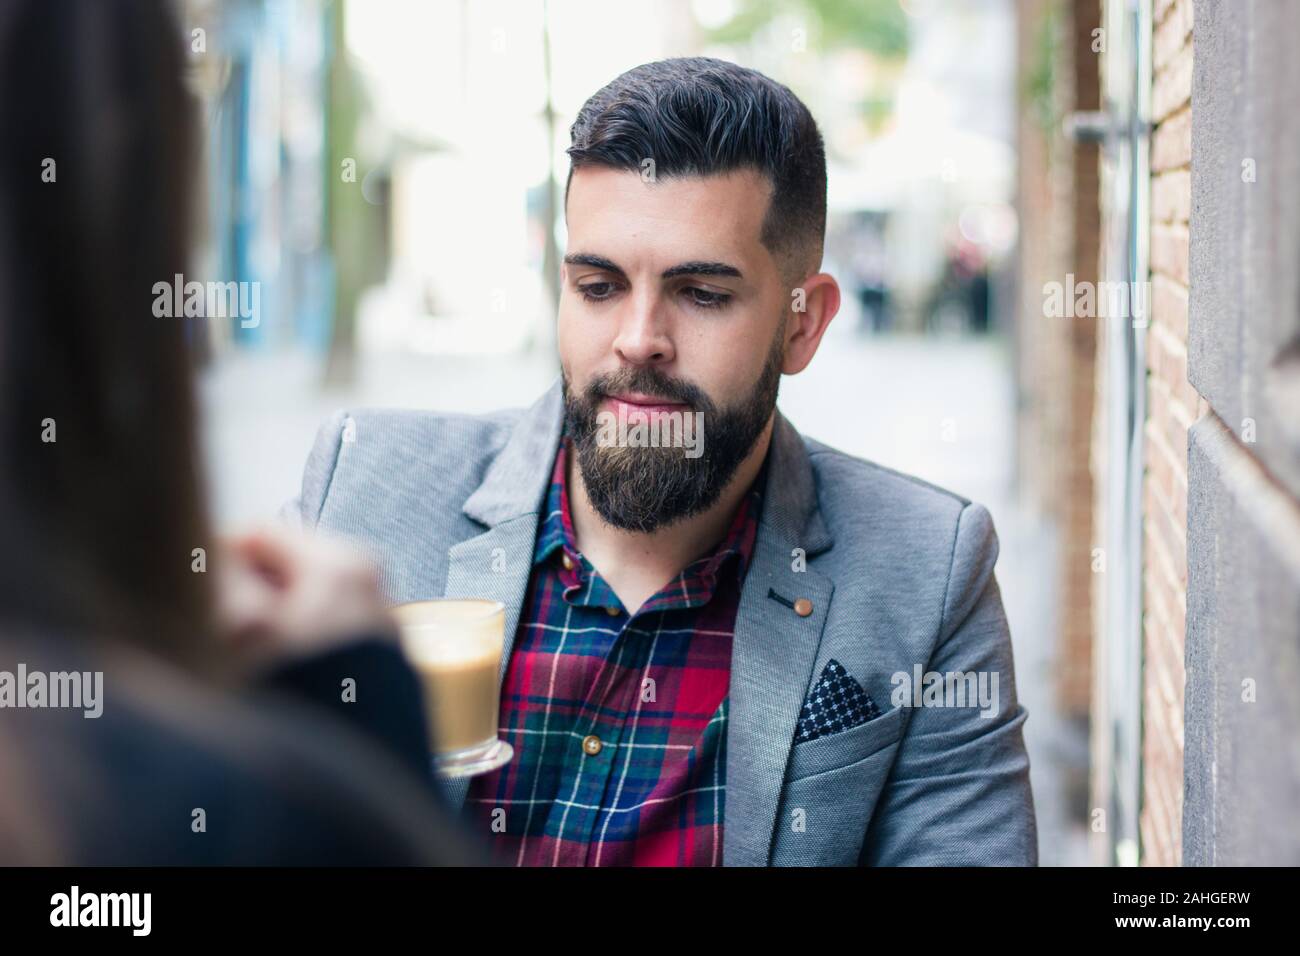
1158 150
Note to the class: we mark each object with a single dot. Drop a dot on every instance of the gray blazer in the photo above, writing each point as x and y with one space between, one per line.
900 576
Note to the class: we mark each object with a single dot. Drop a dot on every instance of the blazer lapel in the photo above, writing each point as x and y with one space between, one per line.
773 651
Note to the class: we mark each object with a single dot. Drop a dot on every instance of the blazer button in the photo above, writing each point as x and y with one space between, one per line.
568 562
803 607
591 744
612 611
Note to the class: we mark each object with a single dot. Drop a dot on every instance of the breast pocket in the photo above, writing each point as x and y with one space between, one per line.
821 754
831 787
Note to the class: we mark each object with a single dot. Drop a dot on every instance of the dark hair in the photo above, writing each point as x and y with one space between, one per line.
697 116
97 527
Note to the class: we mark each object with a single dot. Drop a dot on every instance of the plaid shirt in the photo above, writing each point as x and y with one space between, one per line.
618 723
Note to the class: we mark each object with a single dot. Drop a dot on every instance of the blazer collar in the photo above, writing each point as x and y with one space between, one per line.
515 483
517 479
791 510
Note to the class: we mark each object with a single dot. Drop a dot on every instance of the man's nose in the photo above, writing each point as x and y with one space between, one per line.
643 335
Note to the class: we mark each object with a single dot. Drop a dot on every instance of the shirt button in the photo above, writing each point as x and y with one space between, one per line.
612 611
803 607
591 744
568 562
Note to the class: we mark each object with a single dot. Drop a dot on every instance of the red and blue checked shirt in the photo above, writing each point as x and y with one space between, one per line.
619 724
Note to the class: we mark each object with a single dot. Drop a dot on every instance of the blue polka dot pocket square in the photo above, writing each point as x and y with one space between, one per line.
836 703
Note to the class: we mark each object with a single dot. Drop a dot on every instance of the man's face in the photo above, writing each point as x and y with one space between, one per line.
669 304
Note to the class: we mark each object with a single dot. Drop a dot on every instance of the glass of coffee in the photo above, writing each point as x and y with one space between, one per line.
455 645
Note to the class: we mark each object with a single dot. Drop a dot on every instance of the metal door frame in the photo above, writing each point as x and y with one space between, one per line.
1126 100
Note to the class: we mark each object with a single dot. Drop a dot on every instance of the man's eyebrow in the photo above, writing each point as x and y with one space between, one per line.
702 269
598 262
693 268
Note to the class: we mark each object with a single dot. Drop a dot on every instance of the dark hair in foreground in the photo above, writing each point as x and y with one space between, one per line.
697 116
97 526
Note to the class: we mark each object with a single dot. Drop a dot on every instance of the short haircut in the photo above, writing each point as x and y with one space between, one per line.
697 116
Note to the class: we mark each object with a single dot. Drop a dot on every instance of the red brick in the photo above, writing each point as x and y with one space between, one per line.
1171 196
1173 86
1171 146
1169 252
1169 305
1170 37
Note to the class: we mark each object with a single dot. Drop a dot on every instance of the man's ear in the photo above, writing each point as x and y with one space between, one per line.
813 303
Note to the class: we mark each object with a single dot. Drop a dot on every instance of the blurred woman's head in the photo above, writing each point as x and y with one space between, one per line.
100 504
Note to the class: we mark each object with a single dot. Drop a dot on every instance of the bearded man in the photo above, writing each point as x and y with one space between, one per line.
704 635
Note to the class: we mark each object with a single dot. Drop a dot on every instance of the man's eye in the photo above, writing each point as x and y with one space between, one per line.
704 299
596 291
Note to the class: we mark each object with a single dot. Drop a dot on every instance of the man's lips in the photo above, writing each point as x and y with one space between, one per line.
630 402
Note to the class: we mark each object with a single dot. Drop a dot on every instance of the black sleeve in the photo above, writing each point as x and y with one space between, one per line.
385 701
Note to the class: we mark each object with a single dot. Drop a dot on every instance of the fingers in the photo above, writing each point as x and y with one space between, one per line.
290 559
279 558
283 592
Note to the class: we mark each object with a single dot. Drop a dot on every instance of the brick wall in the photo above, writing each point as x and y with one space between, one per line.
1043 204
1058 204
1172 406
1077 383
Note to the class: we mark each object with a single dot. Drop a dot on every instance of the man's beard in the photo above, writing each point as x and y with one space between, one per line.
647 488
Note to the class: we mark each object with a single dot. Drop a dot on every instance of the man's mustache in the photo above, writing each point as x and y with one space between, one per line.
648 383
